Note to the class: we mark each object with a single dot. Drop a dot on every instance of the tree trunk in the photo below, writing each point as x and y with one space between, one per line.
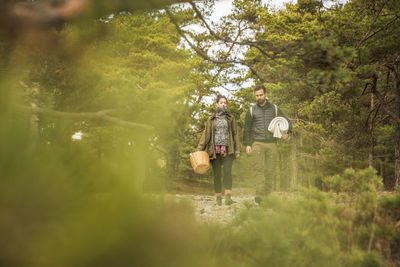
138 166
278 172
381 165
371 129
34 119
293 182
302 161
396 83
397 155
393 113
172 158
34 127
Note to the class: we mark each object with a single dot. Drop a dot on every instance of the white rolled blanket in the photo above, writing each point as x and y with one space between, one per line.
278 126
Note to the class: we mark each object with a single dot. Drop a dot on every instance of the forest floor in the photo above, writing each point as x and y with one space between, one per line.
202 197
207 211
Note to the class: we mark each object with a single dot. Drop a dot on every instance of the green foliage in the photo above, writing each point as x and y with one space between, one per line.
313 67
354 181
65 206
305 231
309 6
132 65
74 212
76 203
391 203
388 233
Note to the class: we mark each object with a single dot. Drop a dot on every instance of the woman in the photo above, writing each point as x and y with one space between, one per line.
221 141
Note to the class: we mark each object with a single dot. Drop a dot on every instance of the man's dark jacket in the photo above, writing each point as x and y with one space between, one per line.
256 124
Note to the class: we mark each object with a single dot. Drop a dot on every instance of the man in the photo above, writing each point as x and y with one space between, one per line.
260 143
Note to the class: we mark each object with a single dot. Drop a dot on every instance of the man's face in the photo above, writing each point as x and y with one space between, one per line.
260 96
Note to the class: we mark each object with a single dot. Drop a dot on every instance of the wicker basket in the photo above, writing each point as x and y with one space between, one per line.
200 161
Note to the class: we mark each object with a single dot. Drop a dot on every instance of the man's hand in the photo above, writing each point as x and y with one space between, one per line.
248 150
237 155
285 136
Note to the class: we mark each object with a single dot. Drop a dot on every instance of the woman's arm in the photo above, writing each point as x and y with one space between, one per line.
205 137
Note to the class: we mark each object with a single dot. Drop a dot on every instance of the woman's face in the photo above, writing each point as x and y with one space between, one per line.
222 103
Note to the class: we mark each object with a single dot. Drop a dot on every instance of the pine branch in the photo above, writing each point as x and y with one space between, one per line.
99 115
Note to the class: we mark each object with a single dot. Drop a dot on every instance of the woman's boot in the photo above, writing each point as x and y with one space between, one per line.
228 199
219 198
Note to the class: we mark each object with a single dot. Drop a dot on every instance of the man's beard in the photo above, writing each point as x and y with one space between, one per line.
262 101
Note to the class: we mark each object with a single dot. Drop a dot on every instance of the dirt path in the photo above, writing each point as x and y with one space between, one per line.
207 211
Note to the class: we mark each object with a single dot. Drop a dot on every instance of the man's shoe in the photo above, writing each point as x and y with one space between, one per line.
219 200
228 200
258 199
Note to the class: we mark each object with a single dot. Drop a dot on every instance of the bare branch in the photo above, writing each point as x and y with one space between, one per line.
379 30
205 55
228 89
365 88
383 119
227 40
226 56
99 115
255 73
396 78
381 99
370 113
370 26
307 155
20 16
375 116
298 120
41 12
195 48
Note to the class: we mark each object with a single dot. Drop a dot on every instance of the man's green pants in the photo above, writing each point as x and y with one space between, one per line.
264 166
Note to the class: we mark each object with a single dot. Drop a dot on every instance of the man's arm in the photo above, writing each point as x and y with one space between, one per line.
235 133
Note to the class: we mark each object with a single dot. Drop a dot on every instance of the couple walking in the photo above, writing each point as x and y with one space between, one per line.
220 139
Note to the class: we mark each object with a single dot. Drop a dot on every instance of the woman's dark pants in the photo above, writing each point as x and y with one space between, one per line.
227 169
